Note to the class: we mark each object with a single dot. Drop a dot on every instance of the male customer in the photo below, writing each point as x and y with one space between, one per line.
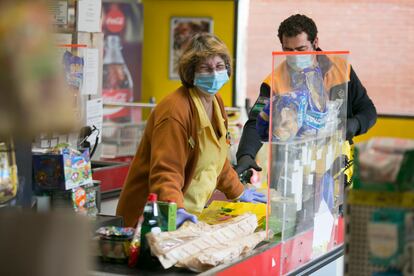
299 33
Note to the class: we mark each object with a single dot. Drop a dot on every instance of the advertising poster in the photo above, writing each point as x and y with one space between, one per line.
182 29
123 33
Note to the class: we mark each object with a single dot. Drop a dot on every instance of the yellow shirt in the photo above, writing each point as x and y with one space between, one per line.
213 154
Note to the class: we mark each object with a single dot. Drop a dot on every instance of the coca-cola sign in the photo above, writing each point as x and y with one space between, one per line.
114 19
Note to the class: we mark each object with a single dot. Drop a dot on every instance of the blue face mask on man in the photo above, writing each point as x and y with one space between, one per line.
300 61
212 82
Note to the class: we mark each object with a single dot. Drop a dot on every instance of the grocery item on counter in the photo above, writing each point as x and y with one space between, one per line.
135 246
175 248
8 173
168 214
152 223
223 211
114 231
114 243
224 253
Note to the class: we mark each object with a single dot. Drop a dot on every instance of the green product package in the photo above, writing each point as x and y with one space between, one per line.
169 214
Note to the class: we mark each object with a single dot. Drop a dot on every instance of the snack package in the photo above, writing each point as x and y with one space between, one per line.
73 70
84 200
8 173
114 243
299 113
62 168
135 247
222 211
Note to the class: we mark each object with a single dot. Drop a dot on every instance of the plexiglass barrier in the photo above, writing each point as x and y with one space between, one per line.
304 123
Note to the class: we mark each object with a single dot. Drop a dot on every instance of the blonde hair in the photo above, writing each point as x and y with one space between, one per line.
201 47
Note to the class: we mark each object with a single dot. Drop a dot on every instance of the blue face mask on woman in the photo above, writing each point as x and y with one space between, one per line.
212 82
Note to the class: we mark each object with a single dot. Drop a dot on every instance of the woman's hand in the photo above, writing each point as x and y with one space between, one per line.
250 195
183 216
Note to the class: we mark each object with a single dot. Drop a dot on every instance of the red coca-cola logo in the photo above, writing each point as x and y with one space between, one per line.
115 19
117 95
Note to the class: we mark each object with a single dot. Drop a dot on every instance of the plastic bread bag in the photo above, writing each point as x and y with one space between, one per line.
173 247
316 110
314 83
332 119
225 253
288 111
299 113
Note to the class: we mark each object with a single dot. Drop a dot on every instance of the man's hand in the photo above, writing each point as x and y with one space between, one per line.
352 128
246 162
183 216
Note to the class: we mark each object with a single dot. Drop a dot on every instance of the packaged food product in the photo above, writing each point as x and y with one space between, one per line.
299 113
114 243
8 173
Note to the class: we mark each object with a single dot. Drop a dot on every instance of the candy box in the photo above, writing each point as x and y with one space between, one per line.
62 169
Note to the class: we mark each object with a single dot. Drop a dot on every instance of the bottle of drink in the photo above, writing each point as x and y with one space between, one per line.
152 223
117 82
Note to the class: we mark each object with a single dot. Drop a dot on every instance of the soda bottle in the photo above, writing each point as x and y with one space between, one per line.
117 82
152 223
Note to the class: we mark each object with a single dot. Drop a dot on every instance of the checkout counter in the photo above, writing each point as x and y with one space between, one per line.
304 177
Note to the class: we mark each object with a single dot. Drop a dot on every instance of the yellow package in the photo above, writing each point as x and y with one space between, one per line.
222 211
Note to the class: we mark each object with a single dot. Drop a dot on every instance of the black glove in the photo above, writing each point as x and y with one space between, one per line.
246 162
352 128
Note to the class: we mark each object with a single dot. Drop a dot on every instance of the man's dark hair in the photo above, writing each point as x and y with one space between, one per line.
296 24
